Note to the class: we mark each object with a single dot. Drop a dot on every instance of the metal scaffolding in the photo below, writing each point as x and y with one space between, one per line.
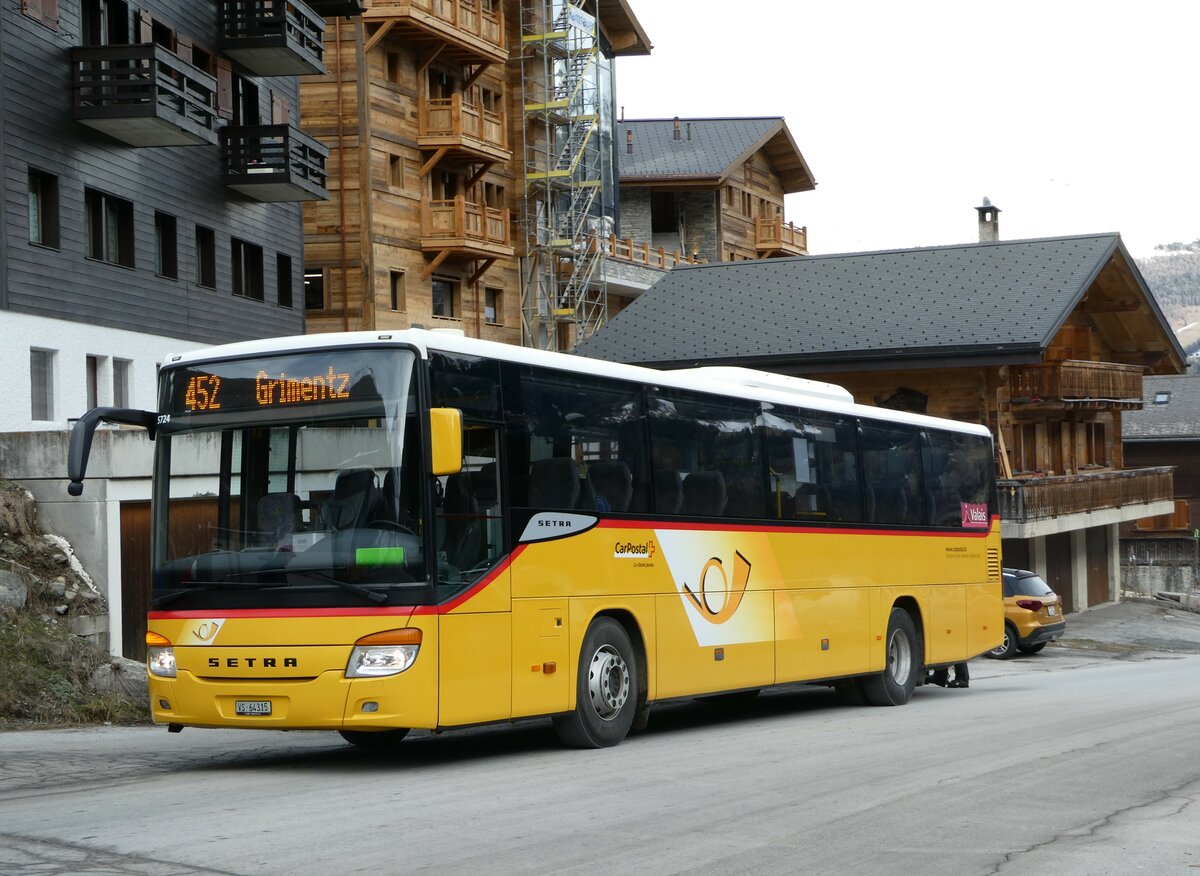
563 290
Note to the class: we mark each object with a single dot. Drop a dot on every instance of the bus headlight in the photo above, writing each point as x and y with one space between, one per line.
160 655
386 653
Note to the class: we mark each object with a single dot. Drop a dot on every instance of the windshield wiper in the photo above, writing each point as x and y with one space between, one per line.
216 585
373 595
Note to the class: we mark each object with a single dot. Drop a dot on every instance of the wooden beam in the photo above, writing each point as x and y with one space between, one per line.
475 74
479 272
433 160
433 265
430 58
475 177
378 35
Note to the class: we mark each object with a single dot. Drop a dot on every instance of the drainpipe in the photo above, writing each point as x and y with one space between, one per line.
341 139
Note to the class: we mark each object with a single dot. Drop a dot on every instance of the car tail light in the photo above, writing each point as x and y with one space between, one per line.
1031 604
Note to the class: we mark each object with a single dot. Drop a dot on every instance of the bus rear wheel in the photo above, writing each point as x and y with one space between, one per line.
606 694
376 739
895 685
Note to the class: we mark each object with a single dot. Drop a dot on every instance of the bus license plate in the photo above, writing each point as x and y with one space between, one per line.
1050 610
252 707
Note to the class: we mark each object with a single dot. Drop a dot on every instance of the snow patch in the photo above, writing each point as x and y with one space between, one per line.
77 567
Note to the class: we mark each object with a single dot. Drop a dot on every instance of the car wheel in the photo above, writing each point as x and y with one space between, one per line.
606 693
376 739
1031 649
896 683
1008 647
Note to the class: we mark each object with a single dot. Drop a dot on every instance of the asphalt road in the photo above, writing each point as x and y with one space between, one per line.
1079 760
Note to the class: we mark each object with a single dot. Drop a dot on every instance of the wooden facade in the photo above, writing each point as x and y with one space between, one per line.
424 121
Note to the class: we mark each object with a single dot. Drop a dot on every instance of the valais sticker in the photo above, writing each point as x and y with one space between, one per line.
974 514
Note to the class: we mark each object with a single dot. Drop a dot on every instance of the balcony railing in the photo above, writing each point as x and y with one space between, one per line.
273 37
1077 384
472 30
273 163
462 225
462 125
773 237
1027 499
144 95
625 250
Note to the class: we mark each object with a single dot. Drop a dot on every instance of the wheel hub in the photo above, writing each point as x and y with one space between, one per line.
608 682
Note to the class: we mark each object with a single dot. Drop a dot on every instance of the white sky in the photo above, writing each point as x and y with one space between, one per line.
1072 117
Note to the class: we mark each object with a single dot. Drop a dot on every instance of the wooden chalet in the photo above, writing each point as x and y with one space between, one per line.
712 189
1045 341
432 136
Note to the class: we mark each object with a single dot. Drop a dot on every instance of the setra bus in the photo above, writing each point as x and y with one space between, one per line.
379 531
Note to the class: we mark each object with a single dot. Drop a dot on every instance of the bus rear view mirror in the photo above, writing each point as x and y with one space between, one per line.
81 438
445 429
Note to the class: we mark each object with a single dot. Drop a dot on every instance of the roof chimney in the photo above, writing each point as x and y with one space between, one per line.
677 127
989 222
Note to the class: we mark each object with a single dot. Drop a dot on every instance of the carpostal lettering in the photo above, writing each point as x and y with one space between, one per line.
633 550
251 662
297 390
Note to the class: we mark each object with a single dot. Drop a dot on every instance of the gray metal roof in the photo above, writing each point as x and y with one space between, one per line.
1001 300
714 145
1178 419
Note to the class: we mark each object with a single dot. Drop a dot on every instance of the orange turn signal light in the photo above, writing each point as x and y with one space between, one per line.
157 640
406 636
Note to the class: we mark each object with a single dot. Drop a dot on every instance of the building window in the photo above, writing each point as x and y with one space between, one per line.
394 71
93 382
664 216
396 285
42 11
247 265
1162 397
314 289
493 196
446 298
283 280
166 246
121 369
747 204
43 208
206 257
109 222
493 310
395 171
41 384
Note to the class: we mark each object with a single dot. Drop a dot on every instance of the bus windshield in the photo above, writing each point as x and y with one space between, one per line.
293 481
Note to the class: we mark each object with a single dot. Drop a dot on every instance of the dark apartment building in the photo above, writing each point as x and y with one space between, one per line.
154 174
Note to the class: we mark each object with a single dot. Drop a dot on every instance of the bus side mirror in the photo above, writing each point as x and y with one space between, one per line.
85 427
445 429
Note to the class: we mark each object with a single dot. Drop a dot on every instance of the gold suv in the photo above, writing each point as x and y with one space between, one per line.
1032 615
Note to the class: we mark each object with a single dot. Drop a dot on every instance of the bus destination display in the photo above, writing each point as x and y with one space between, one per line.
236 387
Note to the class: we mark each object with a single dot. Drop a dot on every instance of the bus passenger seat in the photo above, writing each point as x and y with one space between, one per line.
354 499
553 483
277 516
703 494
613 484
668 491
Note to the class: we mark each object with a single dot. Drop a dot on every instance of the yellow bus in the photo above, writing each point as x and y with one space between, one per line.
374 532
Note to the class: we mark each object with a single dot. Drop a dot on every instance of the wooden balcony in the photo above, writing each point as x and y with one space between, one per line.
1076 384
144 95
464 229
451 125
464 31
1023 500
272 163
625 250
773 238
273 37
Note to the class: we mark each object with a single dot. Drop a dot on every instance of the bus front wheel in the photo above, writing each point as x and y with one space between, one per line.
896 683
606 695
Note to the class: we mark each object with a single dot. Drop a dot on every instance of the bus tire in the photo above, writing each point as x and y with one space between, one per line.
895 685
606 695
376 739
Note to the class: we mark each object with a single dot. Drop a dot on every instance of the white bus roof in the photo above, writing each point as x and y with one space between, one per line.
746 383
